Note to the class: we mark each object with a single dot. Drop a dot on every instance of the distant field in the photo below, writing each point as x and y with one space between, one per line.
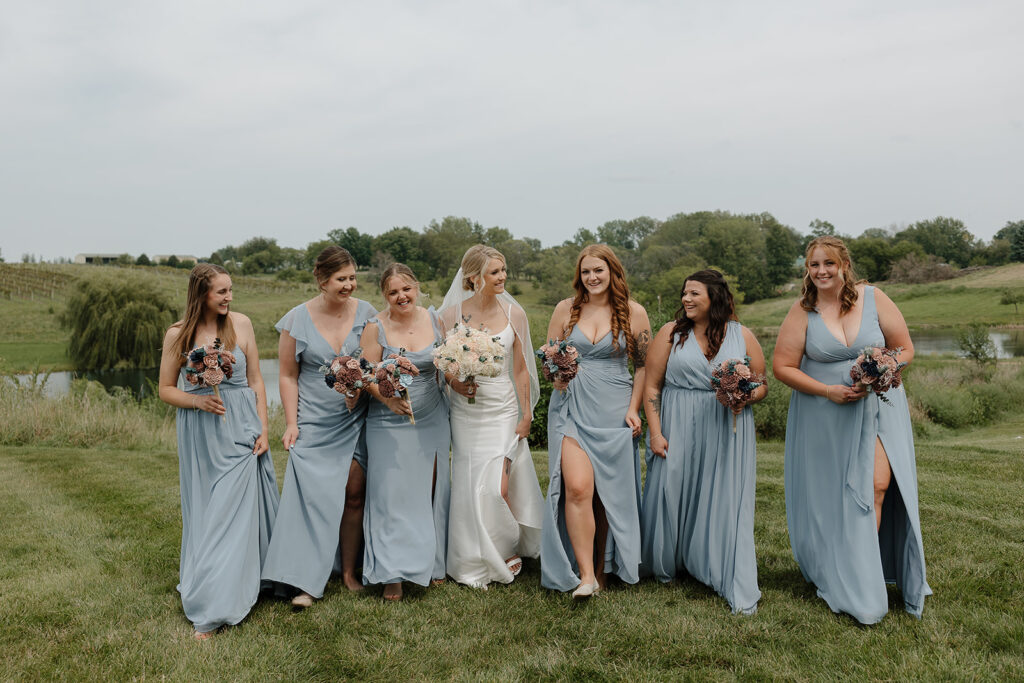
31 335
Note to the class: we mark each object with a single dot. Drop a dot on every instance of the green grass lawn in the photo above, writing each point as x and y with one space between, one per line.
90 541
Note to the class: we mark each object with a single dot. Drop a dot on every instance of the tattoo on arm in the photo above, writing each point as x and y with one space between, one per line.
655 402
643 341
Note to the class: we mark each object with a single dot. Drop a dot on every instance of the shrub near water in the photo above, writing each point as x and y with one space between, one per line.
957 397
117 321
86 417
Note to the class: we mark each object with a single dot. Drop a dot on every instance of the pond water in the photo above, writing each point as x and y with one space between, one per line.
138 381
1008 344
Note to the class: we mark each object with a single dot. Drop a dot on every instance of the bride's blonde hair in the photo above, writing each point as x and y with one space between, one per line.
475 261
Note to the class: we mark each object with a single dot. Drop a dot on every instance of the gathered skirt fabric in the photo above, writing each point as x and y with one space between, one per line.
228 505
829 471
698 507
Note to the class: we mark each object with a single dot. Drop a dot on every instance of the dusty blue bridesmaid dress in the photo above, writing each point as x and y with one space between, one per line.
592 410
405 523
228 503
830 459
304 549
698 508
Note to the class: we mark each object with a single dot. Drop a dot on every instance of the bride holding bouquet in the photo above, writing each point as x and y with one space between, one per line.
496 504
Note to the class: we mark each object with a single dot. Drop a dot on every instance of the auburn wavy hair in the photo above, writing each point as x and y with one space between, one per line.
837 249
721 310
198 287
618 295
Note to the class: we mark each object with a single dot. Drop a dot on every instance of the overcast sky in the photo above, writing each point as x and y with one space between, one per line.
184 126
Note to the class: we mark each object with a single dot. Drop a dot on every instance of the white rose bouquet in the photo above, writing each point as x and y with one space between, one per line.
467 353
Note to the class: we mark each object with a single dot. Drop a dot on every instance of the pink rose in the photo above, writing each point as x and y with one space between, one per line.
213 376
743 371
210 361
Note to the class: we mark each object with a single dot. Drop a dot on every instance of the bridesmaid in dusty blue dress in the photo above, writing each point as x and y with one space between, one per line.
325 482
851 477
592 517
698 507
228 489
408 476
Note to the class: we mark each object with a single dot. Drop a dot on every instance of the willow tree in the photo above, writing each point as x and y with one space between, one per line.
116 322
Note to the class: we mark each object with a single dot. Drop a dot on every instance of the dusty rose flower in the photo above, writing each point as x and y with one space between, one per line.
227 357
384 385
352 364
191 378
730 383
228 370
213 376
210 361
743 371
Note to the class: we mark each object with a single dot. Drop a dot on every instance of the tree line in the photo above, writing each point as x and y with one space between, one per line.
759 254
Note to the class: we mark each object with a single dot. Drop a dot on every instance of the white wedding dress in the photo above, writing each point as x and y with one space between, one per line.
483 532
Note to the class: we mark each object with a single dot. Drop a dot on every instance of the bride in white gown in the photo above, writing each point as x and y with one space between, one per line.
496 505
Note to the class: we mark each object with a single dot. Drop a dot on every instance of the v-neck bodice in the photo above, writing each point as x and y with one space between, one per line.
822 346
688 368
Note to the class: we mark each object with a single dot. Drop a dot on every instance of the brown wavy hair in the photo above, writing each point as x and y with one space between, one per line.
722 309
618 295
837 249
198 287
332 259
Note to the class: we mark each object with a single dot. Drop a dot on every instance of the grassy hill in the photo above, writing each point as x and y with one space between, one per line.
33 296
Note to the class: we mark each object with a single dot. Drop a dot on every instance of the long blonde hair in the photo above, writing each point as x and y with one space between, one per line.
837 249
618 295
198 287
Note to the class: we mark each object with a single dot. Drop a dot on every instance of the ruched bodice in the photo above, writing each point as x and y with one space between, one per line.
425 391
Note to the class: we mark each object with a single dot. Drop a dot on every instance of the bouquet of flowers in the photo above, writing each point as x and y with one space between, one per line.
468 353
208 366
393 375
347 374
878 369
559 360
734 382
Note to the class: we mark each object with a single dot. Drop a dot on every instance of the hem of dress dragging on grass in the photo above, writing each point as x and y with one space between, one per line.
232 621
292 582
864 622
400 579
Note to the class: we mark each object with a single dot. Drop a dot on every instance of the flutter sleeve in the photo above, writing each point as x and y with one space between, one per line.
296 322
